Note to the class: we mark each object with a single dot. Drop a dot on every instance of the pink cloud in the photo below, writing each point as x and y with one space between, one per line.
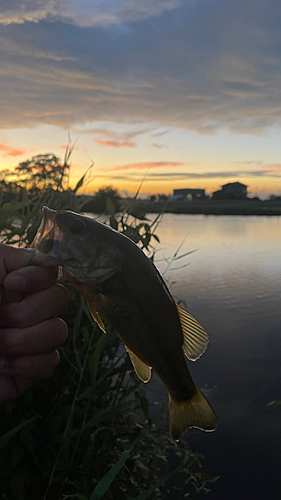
10 151
150 164
273 166
115 144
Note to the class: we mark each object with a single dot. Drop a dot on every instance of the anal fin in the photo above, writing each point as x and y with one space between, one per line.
195 339
96 317
142 370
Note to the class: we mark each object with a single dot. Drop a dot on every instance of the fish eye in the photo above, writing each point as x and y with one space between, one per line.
76 226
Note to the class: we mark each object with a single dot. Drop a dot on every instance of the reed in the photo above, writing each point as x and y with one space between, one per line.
86 433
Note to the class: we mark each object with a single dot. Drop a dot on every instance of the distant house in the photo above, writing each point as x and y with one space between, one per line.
189 194
231 191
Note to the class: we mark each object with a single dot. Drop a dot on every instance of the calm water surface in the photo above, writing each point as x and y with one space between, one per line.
231 283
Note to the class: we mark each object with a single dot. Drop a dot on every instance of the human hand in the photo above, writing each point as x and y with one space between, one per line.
30 332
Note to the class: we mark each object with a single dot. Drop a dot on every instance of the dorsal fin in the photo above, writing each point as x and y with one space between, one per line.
96 317
195 339
142 370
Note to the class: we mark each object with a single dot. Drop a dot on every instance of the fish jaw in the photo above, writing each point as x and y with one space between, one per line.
47 242
82 246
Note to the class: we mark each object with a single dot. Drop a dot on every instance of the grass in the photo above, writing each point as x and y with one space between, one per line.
76 436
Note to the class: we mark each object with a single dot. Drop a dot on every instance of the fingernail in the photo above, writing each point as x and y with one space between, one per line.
16 283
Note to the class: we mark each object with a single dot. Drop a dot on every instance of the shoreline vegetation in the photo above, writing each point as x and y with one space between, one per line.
204 207
87 432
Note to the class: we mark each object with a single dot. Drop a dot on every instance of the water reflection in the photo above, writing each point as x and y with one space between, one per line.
232 286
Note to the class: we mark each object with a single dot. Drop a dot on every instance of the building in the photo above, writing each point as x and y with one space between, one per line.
189 194
231 191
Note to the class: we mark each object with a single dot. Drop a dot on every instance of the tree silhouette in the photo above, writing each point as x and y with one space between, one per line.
43 171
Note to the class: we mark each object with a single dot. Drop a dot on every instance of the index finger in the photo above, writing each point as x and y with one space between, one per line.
30 279
12 258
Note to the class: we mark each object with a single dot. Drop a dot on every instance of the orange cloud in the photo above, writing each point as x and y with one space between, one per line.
149 164
10 151
115 144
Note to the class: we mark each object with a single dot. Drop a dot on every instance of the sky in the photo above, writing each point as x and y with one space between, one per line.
181 93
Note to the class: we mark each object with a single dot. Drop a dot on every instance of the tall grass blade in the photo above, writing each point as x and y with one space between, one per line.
81 182
94 360
109 477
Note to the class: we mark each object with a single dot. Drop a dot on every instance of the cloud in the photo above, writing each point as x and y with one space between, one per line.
115 144
26 50
159 146
84 13
129 131
272 169
160 133
269 168
149 165
243 176
249 162
21 12
162 63
176 175
10 150
212 175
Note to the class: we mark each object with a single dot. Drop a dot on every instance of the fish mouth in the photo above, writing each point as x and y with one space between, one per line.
47 241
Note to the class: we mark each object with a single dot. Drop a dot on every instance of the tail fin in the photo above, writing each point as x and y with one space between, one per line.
195 412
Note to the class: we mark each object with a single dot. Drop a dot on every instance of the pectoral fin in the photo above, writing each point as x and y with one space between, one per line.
142 370
195 339
96 317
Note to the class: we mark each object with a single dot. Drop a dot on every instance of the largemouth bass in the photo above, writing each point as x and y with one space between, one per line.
122 286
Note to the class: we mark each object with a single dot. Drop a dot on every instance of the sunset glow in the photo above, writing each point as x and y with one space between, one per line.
183 94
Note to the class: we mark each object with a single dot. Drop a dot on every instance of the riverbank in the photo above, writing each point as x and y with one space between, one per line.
205 207
214 207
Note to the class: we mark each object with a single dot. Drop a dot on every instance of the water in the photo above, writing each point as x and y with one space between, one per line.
231 284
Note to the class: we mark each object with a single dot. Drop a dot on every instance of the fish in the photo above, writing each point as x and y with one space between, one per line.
122 287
